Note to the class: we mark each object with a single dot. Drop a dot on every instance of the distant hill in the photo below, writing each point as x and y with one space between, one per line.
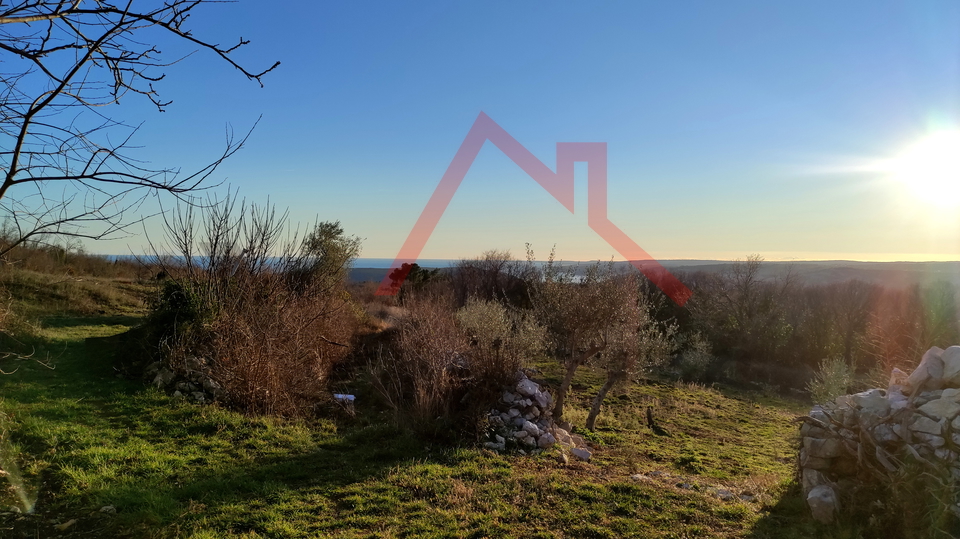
893 274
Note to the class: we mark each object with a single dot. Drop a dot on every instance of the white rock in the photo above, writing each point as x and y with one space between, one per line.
513 412
527 387
923 424
872 400
507 397
521 434
951 366
897 399
929 373
811 478
942 407
823 503
532 429
580 453
108 509
546 440
543 399
932 440
897 378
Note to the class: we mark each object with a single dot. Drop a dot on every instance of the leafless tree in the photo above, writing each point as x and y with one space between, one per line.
66 166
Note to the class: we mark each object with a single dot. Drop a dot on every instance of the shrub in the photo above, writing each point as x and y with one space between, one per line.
832 380
269 318
695 358
447 366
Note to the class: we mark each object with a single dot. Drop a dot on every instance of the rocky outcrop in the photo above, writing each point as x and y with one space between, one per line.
856 439
523 422
193 382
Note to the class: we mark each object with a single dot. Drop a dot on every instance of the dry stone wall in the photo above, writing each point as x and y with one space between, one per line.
858 439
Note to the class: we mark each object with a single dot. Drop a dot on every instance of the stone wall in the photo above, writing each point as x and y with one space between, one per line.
523 422
858 440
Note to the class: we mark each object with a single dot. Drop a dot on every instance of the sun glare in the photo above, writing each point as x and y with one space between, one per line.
930 168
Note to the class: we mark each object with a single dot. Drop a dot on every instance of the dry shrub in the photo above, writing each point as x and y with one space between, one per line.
270 317
447 366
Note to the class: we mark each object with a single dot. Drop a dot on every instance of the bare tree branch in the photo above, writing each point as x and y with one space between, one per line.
63 171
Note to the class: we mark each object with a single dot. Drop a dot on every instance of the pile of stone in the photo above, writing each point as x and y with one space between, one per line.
193 382
523 422
854 439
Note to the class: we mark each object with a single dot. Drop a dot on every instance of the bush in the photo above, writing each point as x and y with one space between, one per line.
270 327
447 367
695 358
832 380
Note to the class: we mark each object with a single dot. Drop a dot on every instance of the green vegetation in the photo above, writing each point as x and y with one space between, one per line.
104 455
87 439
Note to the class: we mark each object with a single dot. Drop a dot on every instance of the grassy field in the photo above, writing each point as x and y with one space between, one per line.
85 439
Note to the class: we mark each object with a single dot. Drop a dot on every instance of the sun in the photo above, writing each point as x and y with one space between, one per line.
930 168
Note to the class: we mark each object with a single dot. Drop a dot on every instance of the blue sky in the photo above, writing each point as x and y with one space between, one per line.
732 127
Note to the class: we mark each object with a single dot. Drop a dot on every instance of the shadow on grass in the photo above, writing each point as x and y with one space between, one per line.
61 322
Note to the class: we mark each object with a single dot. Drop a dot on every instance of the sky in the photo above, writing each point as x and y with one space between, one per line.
732 127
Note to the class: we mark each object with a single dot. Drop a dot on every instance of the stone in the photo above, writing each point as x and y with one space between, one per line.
193 363
810 430
897 399
945 455
640 477
499 439
811 478
748 498
884 434
822 447
725 495
164 378
929 373
546 440
494 446
814 463
955 424
951 366
527 387
521 434
823 503
898 378
927 425
872 400
152 369
212 387
580 453
513 412
507 397
942 407
543 399
108 509
532 429
199 396
932 440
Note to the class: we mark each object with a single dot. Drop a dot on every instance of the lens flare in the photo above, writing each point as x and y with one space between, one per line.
930 168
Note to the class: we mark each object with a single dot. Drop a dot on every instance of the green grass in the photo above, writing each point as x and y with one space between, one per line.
87 439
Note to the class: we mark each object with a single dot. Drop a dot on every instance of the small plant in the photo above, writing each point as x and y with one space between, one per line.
832 380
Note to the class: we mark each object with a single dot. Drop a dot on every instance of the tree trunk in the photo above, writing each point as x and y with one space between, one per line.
612 379
572 365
